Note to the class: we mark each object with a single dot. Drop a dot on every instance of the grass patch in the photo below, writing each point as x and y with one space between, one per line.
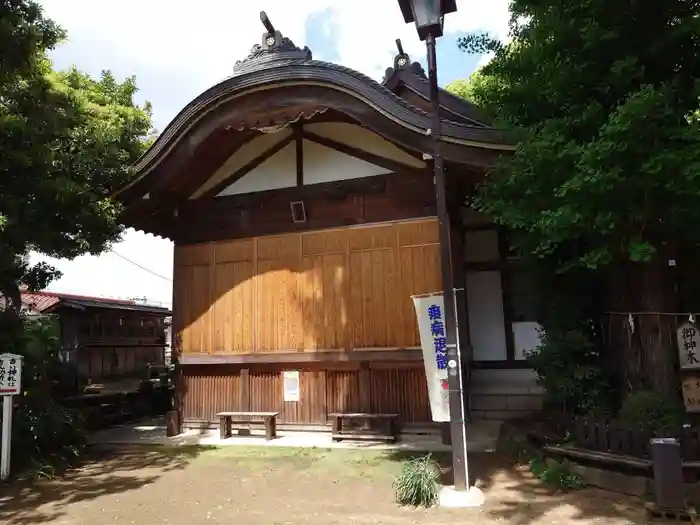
343 463
418 483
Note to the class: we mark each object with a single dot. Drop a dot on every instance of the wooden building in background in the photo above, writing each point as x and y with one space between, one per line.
302 208
104 338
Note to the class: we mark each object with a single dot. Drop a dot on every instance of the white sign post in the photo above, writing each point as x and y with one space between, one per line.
431 327
10 385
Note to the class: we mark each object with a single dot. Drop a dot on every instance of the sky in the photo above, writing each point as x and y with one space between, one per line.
179 49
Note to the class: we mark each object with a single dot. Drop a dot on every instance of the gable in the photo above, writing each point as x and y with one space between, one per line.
323 152
279 171
244 155
323 164
320 164
359 137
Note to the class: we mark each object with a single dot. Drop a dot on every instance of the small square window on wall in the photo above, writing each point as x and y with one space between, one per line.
298 211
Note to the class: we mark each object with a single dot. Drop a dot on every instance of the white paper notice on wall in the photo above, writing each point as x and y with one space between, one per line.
290 381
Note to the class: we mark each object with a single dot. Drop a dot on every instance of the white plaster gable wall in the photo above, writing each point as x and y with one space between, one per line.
241 157
322 164
279 171
362 138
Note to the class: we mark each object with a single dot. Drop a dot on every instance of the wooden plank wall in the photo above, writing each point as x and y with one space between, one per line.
102 361
396 388
332 290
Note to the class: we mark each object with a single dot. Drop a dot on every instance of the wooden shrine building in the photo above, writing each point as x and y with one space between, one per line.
303 215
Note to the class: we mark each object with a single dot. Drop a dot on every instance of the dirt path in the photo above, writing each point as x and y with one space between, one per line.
283 486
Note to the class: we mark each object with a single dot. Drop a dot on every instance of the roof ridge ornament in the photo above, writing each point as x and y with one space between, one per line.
274 47
403 62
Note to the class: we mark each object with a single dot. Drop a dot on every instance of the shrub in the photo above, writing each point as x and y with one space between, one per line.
45 434
659 411
555 473
570 369
417 484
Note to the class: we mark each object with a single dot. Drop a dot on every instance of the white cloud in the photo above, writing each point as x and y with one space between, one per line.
196 48
111 275
179 49
368 28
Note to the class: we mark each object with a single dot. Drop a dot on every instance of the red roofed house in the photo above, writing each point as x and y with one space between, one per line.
104 337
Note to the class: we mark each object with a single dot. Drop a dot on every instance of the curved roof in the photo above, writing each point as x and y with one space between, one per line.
279 64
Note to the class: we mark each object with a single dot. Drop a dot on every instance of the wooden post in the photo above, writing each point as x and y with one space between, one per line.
337 425
270 427
245 390
10 386
6 437
224 427
456 385
172 423
365 394
457 240
445 434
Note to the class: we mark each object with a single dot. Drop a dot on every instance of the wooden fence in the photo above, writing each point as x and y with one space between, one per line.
612 436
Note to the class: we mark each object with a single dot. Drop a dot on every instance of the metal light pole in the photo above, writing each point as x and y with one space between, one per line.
428 16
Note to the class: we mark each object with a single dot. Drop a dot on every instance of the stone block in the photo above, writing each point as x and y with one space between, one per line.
504 382
481 402
527 402
613 481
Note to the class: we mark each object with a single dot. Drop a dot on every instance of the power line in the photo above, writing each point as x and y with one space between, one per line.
142 267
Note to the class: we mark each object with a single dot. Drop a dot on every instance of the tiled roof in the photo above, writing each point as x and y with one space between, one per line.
43 301
38 301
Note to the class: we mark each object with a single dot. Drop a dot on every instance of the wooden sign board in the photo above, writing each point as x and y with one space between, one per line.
10 385
10 374
688 338
691 393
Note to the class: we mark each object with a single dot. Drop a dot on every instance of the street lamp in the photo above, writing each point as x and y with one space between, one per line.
428 16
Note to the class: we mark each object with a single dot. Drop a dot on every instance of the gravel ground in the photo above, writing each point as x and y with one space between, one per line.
256 486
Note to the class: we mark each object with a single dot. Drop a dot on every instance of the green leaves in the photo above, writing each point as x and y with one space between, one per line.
606 95
66 142
417 484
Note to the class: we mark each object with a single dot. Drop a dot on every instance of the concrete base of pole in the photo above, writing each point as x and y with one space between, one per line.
458 499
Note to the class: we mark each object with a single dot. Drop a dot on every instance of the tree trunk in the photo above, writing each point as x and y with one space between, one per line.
623 339
656 328
646 350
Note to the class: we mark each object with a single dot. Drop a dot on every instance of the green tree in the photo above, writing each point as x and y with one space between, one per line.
66 141
464 88
606 174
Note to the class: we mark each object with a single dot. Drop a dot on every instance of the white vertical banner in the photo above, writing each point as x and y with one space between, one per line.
430 313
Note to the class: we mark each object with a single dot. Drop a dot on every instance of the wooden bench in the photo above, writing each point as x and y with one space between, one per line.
228 419
386 422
